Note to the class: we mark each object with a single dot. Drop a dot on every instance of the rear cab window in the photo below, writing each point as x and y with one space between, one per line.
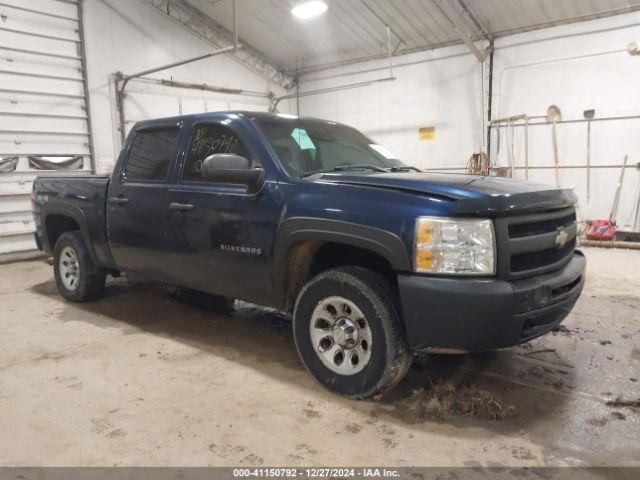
150 155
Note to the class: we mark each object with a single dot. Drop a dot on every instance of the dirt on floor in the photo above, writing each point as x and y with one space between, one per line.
141 378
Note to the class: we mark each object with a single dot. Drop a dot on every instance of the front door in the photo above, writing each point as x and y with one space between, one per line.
221 236
137 212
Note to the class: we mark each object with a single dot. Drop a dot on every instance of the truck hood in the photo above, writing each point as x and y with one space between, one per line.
469 194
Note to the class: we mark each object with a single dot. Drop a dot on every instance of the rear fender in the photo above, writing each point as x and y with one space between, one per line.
78 216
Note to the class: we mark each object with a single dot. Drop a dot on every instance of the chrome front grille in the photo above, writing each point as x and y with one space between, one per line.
534 244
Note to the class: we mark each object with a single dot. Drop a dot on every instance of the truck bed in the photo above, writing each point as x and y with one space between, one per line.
83 198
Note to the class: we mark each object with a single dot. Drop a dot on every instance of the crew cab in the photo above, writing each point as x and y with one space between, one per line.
375 259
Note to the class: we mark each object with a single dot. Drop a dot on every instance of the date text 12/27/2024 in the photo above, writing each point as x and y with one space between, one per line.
316 472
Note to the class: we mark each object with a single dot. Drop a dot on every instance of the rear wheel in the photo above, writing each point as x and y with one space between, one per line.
349 334
77 276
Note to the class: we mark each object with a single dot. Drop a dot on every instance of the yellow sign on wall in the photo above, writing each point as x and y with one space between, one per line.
427 133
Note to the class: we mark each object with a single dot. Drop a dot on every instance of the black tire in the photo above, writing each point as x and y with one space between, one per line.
91 278
390 356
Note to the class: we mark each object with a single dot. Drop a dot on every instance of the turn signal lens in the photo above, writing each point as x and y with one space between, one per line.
454 246
423 234
424 260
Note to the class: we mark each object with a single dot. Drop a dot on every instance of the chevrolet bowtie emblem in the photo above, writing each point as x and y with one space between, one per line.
561 238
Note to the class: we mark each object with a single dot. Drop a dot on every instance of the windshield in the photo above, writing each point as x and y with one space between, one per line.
305 147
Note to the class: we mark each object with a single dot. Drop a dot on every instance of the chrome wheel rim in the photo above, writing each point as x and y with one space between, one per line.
69 268
341 335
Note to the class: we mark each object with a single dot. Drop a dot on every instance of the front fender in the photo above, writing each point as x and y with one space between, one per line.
296 229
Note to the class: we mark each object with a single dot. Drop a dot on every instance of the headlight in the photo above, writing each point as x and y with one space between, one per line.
454 246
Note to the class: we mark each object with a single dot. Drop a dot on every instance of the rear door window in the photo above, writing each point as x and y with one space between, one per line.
150 155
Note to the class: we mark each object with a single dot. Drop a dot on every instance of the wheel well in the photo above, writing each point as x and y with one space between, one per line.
309 257
56 225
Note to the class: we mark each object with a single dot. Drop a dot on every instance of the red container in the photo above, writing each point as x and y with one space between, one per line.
601 230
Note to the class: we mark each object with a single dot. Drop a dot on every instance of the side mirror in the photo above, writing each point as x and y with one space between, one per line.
233 169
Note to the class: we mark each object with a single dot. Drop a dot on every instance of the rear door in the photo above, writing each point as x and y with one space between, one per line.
137 203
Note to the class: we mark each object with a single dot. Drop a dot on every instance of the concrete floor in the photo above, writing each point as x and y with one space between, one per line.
141 379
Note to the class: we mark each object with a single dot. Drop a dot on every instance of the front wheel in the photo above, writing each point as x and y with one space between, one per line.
348 332
77 277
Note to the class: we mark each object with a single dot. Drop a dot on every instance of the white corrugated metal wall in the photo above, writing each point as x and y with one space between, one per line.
577 67
146 99
43 107
129 36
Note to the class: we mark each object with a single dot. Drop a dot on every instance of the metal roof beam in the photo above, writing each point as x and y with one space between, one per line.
466 8
203 26
462 28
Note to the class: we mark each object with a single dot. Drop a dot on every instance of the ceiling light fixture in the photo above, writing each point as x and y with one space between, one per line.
310 9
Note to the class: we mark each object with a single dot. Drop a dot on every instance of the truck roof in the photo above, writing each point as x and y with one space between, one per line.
251 115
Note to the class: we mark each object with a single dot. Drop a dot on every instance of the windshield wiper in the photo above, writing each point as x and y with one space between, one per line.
342 168
404 168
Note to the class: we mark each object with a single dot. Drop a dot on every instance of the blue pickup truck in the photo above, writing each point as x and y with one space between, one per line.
374 259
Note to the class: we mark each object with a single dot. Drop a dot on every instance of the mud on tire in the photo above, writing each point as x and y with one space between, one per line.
388 356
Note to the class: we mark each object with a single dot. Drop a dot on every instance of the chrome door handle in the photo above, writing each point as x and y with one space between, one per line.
180 207
119 200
